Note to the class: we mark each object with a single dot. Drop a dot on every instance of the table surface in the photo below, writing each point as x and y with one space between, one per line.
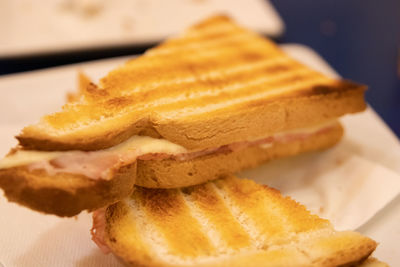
69 25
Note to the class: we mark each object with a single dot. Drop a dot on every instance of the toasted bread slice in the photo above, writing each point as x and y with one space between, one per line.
66 194
170 173
227 222
213 85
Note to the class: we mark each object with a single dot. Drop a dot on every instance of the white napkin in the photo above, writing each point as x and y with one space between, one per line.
28 238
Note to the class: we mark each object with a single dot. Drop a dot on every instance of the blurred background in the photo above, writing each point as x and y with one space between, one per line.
360 39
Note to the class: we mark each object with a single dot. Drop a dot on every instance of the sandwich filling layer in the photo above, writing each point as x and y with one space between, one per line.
100 164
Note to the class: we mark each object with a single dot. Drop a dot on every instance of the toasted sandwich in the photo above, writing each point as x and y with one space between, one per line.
214 100
226 222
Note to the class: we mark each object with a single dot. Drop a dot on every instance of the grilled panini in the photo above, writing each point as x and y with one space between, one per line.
216 99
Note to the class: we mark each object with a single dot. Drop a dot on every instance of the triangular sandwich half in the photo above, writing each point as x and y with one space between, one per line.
226 222
216 99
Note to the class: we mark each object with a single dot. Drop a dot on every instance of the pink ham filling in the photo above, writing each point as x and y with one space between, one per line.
95 165
98 230
98 164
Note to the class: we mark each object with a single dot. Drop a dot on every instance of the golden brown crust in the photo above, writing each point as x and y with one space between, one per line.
151 228
170 91
171 173
64 194
262 117
345 249
118 217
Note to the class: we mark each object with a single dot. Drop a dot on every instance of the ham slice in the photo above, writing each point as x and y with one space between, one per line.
99 164
98 230
95 165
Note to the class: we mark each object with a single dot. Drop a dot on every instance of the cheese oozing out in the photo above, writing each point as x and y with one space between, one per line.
98 164
140 145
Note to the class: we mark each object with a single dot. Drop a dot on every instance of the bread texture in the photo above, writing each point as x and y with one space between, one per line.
227 222
65 194
170 173
215 84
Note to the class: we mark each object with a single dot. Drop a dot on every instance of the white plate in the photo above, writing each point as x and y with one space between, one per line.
29 27
32 239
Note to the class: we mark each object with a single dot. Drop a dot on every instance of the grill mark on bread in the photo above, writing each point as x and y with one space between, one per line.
168 211
137 233
154 240
272 218
217 94
335 87
296 76
214 86
144 71
256 237
247 198
207 227
201 51
199 83
231 234
253 93
244 71
247 202
118 102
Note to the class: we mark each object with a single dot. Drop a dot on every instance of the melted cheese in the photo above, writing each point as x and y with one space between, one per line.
142 144
25 157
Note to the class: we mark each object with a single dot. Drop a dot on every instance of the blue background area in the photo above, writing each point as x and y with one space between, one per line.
359 38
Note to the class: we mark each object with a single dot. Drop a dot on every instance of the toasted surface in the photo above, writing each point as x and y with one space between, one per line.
215 84
66 194
228 222
169 173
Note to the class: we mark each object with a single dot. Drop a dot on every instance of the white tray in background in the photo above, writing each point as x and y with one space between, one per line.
31 27
32 239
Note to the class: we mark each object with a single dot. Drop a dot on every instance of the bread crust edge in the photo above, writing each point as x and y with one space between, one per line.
251 120
65 194
169 173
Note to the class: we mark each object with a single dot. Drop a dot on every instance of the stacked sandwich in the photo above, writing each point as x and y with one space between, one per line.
151 149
